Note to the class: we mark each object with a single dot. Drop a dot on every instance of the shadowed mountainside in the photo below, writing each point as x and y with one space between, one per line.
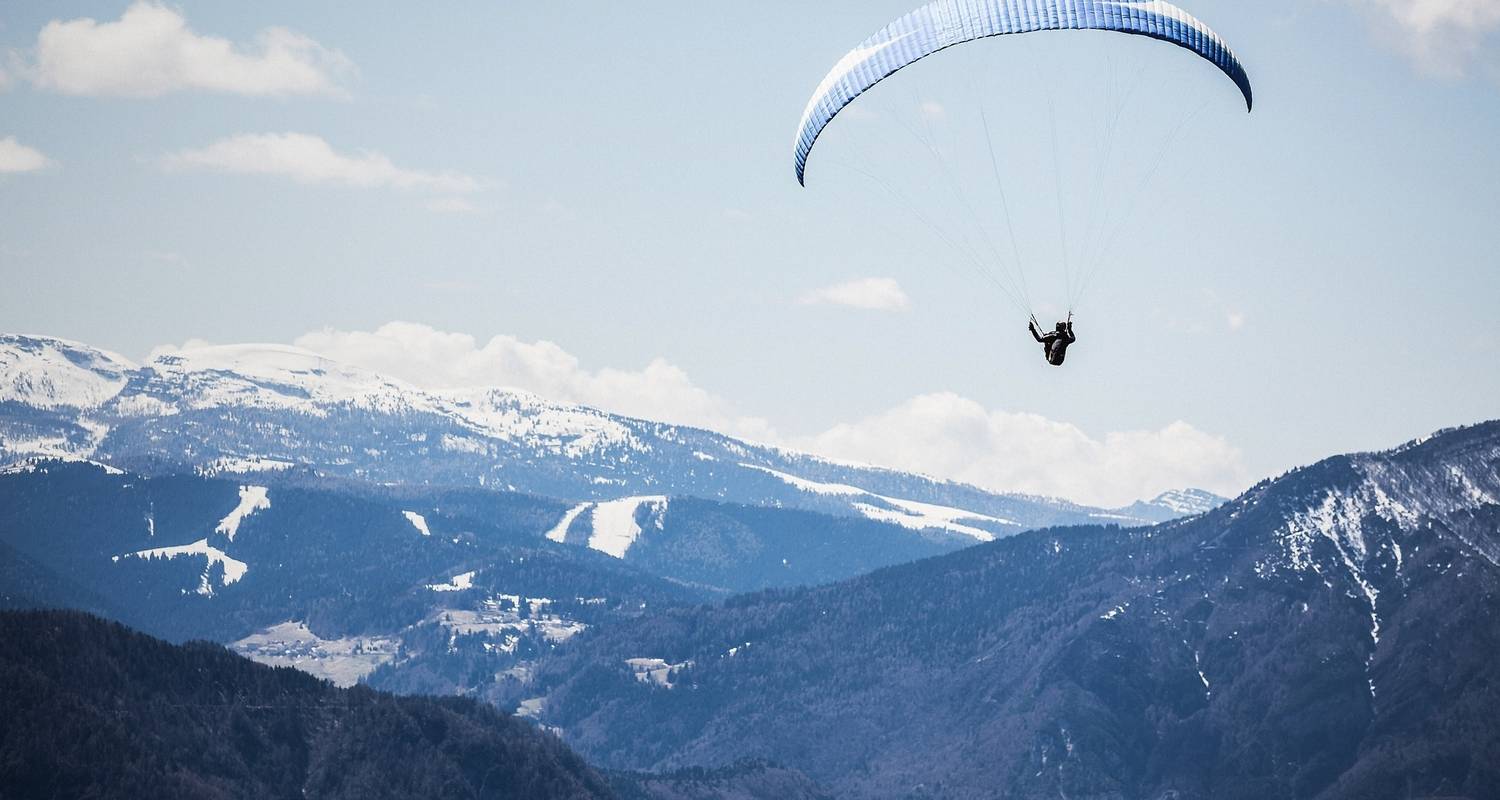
92 709
1330 634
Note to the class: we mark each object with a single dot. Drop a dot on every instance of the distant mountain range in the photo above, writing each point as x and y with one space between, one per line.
278 413
1330 634
416 588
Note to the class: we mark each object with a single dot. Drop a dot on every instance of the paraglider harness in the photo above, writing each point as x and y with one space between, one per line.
1055 342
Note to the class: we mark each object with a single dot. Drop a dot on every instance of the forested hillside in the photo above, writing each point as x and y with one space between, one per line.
92 709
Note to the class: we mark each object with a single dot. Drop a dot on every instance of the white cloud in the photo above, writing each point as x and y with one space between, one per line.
310 159
150 51
953 437
1447 37
1235 320
17 157
874 294
437 359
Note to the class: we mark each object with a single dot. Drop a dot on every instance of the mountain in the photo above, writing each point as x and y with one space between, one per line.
336 583
409 588
93 709
277 413
1174 504
1329 634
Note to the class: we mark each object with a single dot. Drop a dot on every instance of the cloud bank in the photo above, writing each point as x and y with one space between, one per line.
954 437
871 294
1446 37
310 159
944 435
150 51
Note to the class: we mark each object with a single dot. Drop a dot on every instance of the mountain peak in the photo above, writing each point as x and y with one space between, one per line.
1188 502
1366 504
47 372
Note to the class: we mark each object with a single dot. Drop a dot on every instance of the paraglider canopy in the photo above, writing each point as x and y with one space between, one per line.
946 23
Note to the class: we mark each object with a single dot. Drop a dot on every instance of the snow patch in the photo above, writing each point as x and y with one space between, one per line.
464 444
234 569
926 516
559 532
615 528
417 521
458 583
655 671
1208 692
244 466
252 499
906 513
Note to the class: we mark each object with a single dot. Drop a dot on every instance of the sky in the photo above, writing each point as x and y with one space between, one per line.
595 201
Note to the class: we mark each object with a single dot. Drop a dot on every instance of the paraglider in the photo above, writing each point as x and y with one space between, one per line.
943 24
1055 342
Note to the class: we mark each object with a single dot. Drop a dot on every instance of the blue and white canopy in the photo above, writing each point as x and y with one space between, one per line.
945 23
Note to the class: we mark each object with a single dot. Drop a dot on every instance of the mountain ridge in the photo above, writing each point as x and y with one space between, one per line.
277 407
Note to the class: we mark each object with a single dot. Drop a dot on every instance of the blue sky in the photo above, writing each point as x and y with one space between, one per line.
594 201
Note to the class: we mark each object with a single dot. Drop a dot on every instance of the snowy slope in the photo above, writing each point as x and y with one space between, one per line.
273 410
616 525
52 373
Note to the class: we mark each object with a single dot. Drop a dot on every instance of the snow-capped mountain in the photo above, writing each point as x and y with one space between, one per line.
1175 503
51 373
1329 634
267 408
